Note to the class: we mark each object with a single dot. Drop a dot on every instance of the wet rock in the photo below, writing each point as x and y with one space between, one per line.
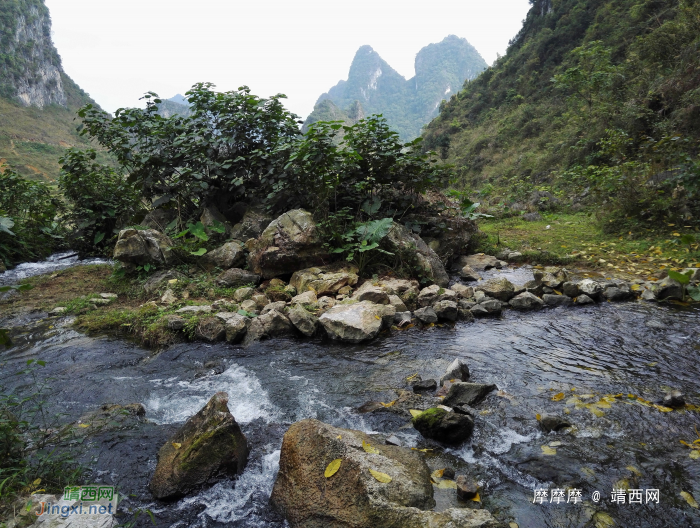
584 299
446 310
305 322
175 322
571 289
236 277
139 247
463 393
400 287
458 370
243 294
203 308
674 400
669 289
411 247
429 385
397 303
479 311
526 301
353 497
591 288
356 322
236 325
210 329
107 417
534 287
448 473
426 315
462 291
308 297
371 293
464 314
325 280
550 422
501 289
467 488
446 427
161 278
492 306
59 310
469 274
230 255
279 306
326 303
648 295
556 300
267 326
210 445
616 294
479 262
402 319
393 440
290 242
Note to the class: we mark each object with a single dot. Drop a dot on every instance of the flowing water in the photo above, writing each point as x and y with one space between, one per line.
549 361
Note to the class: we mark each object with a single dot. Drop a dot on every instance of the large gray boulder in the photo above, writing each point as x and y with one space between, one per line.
251 225
266 326
412 249
235 325
669 289
356 322
236 277
353 497
463 393
325 280
147 246
304 321
372 293
458 370
526 301
446 310
500 288
291 242
446 427
230 255
209 446
591 288
478 262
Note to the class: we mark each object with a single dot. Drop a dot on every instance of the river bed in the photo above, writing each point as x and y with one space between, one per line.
550 361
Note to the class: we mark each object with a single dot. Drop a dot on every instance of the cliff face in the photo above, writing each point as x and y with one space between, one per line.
30 70
374 87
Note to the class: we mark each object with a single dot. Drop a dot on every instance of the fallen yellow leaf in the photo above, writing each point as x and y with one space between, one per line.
415 413
421 450
381 477
388 404
339 437
558 397
437 473
597 412
634 470
689 498
538 416
177 445
477 498
550 451
83 425
446 484
369 449
412 377
661 407
36 482
513 525
333 467
694 454
603 520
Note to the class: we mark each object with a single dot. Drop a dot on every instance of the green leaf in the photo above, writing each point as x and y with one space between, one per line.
218 227
694 292
688 239
5 225
680 277
198 231
199 252
375 230
98 237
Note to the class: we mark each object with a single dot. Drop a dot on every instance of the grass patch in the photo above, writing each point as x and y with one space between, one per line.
579 239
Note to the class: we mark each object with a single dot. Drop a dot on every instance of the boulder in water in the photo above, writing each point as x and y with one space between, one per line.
526 301
463 393
446 427
356 322
209 446
500 288
457 371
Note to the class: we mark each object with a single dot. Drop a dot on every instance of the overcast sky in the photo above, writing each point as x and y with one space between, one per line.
118 49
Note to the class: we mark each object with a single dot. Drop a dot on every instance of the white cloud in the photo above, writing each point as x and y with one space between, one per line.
118 49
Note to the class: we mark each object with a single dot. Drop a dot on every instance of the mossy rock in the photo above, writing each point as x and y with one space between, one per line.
446 427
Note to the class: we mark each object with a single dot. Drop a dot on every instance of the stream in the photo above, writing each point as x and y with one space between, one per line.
587 360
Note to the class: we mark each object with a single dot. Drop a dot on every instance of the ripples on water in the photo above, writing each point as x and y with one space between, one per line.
632 348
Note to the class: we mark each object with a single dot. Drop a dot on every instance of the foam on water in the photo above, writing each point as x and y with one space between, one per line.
174 401
227 501
56 262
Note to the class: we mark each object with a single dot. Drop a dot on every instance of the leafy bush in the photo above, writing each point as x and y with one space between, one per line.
98 198
28 229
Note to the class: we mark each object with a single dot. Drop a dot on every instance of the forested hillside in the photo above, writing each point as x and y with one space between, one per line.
596 102
374 87
38 101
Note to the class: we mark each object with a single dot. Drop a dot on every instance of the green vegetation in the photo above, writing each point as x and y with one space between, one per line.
29 460
596 103
374 87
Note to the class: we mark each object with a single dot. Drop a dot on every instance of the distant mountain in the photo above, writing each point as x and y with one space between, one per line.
374 87
176 105
38 101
